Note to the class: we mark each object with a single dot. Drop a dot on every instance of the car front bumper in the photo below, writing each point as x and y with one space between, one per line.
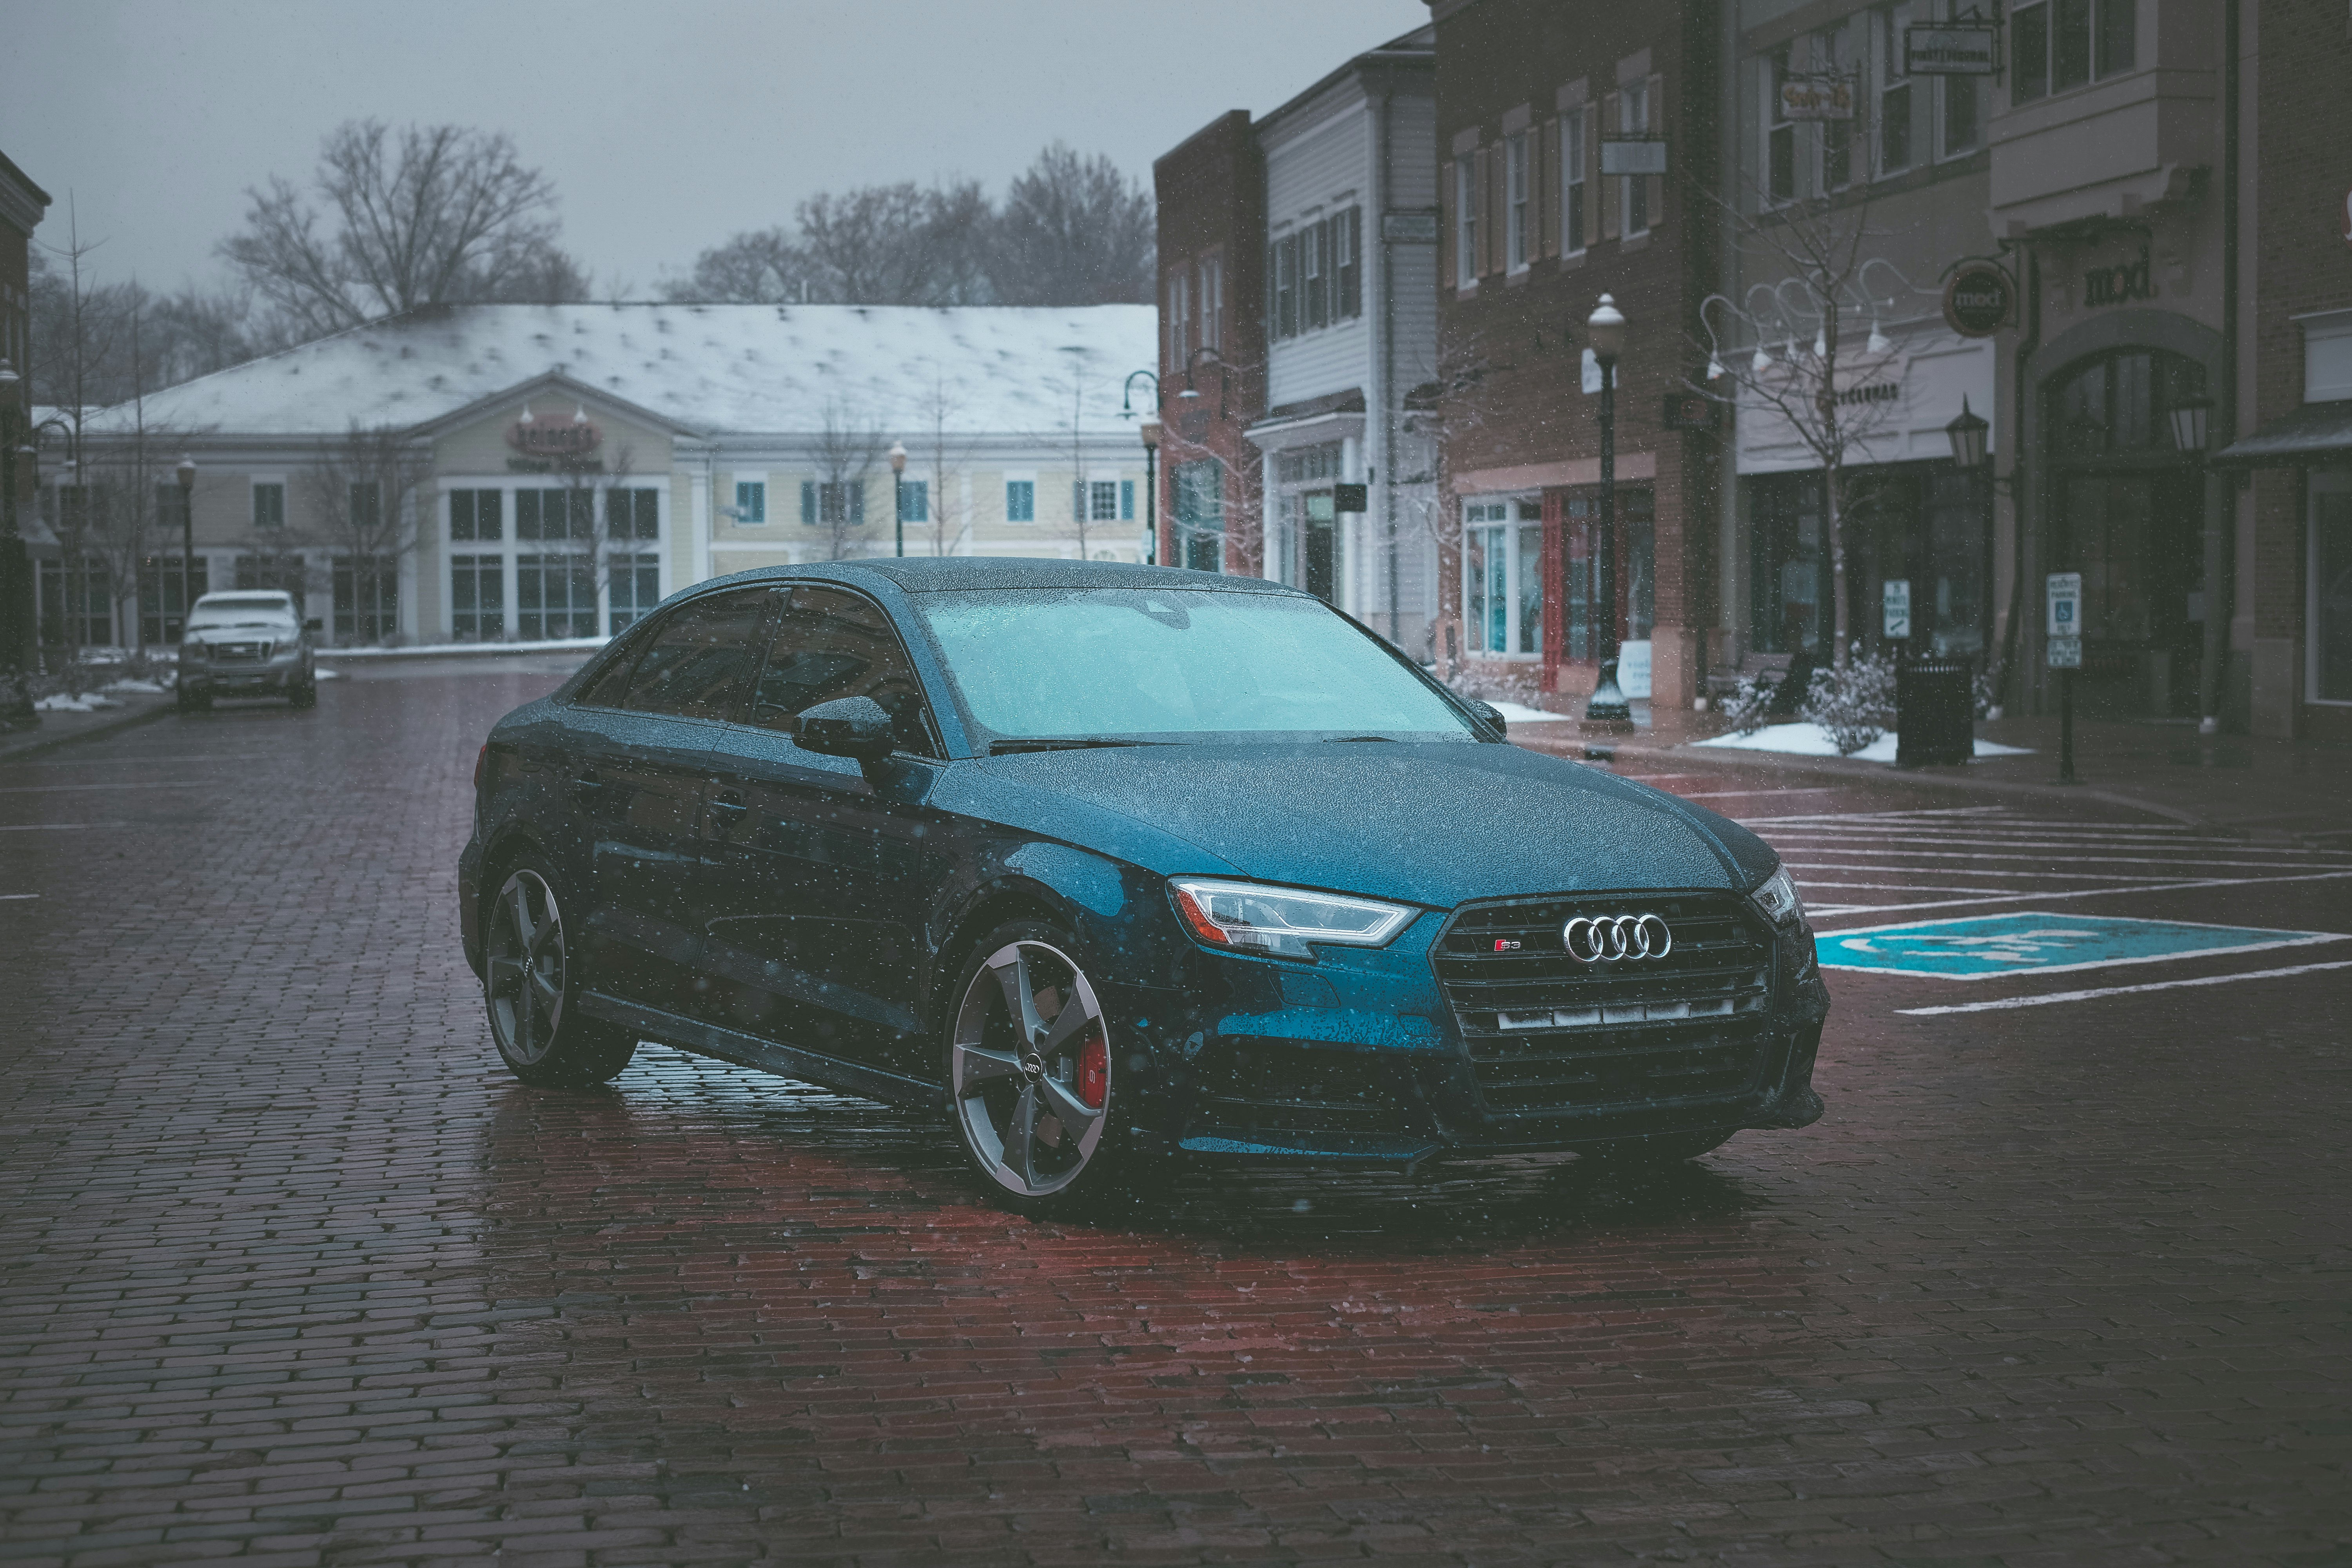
233 680
1361 1058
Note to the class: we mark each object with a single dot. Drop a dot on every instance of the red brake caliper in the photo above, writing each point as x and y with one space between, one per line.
1094 1070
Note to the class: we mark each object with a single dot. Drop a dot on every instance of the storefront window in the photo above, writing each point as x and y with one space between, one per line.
1502 576
1789 565
1306 547
555 596
1636 569
477 598
1200 516
162 604
367 598
2331 595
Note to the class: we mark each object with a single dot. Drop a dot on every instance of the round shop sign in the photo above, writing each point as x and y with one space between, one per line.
1979 299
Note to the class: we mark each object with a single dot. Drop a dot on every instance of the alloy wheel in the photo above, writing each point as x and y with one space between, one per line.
1031 1064
526 971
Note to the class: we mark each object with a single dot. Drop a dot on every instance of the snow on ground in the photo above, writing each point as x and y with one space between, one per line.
1812 740
130 685
1515 714
88 702
321 672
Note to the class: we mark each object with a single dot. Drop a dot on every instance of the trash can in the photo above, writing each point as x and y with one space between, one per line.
1934 711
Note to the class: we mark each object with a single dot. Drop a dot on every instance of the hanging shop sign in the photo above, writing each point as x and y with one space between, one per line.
1826 96
1633 155
1978 298
1952 48
572 439
2119 284
1692 411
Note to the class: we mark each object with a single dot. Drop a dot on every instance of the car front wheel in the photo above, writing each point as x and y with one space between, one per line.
1032 1087
530 983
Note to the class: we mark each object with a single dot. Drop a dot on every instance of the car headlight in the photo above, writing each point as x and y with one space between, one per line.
1779 900
1247 917
192 653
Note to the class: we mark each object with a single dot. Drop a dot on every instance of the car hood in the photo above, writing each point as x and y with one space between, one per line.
1435 823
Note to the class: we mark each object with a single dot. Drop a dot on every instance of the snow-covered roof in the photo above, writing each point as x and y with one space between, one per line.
712 369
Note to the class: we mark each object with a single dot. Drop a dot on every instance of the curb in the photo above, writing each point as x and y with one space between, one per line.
114 724
478 650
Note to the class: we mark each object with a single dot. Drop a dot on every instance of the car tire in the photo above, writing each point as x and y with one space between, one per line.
1656 1152
1032 1088
305 695
530 988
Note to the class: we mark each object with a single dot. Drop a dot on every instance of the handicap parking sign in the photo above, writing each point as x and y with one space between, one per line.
1983 947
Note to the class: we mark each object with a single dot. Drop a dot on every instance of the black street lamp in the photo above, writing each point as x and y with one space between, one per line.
1966 433
898 491
187 473
1152 492
1605 332
15 613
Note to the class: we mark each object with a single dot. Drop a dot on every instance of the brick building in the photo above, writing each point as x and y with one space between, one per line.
1533 235
1211 191
2294 600
22 203
1297 333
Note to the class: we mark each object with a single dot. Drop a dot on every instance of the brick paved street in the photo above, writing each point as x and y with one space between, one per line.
289 1267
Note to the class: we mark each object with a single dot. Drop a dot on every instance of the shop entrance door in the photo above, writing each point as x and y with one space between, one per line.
2135 538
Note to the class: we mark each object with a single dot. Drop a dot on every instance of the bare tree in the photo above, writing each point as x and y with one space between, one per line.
368 487
1071 385
393 220
949 461
1074 231
758 267
1239 479
846 450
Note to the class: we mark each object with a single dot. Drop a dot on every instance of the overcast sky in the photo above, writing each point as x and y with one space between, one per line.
665 126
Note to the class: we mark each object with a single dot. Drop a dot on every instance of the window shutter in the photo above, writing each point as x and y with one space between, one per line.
1611 110
858 504
1591 172
1543 160
808 501
1127 500
1449 228
1655 200
1494 168
1078 501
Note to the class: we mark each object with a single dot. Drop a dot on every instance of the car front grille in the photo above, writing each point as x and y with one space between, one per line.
235 652
1546 1033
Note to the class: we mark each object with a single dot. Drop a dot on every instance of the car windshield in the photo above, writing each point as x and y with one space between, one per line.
1096 664
218 614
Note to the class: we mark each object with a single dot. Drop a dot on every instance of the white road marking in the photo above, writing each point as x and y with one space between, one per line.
1988 950
2096 893
2044 1001
6 897
55 826
1728 793
64 789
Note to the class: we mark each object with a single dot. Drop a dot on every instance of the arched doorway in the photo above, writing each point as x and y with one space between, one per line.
2127 511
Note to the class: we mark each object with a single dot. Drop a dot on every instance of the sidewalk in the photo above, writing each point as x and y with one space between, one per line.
2236 784
64 729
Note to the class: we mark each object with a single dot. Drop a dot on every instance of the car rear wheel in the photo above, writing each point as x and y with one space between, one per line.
1030 1086
531 989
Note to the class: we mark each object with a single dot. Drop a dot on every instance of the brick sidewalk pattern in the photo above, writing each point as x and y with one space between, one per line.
291 1271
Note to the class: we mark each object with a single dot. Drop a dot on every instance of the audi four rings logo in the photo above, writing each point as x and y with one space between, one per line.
1613 938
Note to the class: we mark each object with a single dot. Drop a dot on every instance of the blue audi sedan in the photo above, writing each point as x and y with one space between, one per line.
1113 864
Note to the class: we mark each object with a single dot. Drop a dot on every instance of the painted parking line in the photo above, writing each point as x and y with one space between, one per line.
2038 942
55 826
2091 892
2048 997
81 788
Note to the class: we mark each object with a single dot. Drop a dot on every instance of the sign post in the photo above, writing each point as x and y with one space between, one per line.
1897 604
2062 638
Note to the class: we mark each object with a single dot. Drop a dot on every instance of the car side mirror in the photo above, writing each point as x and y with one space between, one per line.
854 727
1492 714
314 624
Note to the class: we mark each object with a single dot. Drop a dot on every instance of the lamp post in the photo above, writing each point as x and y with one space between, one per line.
898 491
2191 418
1152 492
1607 707
187 473
1150 433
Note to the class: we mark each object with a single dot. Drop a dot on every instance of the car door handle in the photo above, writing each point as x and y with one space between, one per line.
730 801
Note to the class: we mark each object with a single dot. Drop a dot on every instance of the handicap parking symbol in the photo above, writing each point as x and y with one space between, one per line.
1983 947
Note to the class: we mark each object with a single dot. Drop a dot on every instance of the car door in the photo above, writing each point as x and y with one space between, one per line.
817 883
643 746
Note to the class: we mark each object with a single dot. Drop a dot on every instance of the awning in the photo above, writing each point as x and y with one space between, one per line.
2315 434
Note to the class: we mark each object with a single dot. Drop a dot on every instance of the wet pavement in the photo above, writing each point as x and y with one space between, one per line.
291 1269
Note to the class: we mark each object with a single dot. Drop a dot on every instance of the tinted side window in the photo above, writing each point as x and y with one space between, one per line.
828 643
607 690
701 659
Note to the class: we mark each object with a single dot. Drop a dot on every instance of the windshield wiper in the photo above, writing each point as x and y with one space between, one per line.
1064 744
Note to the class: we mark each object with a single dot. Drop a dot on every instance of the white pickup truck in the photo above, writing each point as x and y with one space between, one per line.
249 643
